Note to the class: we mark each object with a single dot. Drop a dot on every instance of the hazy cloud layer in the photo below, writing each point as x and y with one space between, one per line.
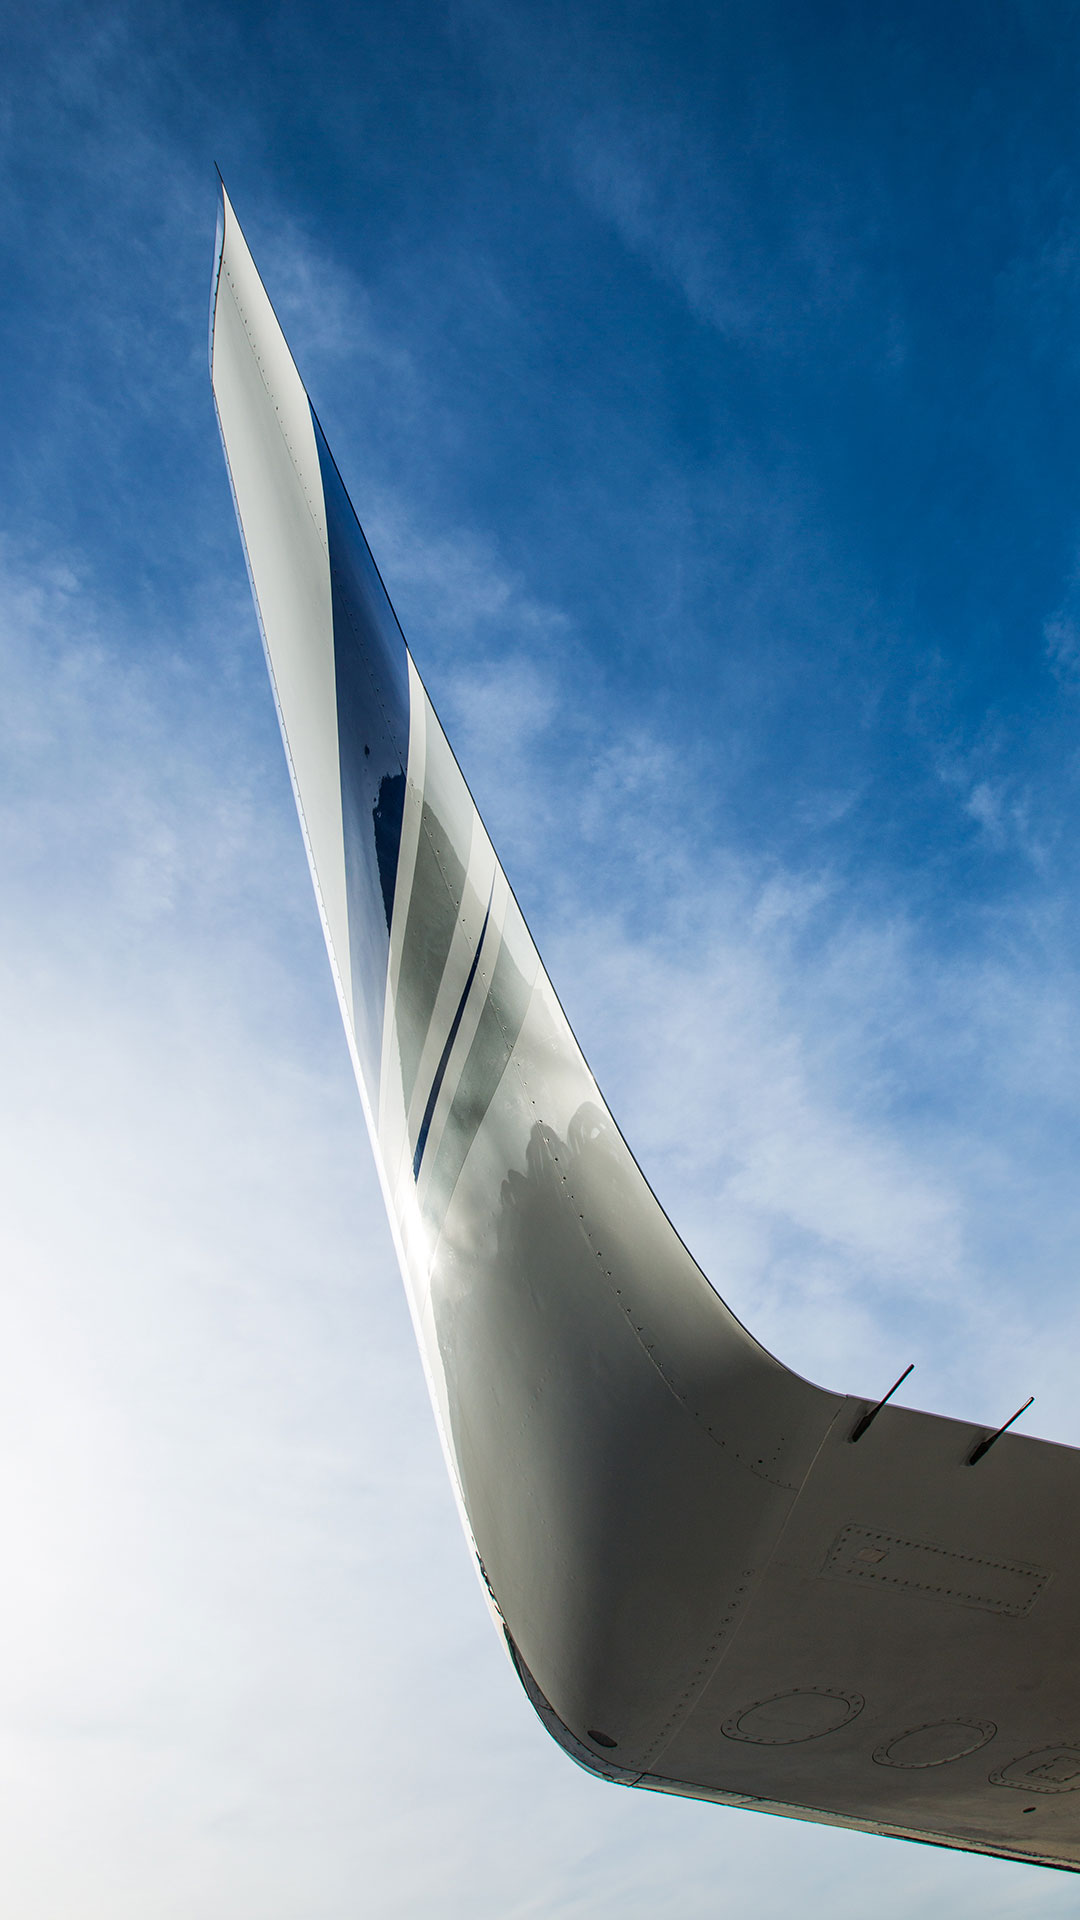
705 381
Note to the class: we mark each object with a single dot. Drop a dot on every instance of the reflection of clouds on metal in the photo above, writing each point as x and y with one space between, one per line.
704 1587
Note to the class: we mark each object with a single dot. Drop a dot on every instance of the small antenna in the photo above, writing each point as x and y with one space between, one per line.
984 1446
861 1425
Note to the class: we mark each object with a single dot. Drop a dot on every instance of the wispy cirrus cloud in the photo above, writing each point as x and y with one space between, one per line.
680 200
217 1395
579 309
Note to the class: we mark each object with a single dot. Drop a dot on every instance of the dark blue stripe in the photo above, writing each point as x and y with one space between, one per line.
372 684
440 1071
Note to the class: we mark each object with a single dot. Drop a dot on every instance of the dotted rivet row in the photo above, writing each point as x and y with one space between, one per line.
700 1674
756 1467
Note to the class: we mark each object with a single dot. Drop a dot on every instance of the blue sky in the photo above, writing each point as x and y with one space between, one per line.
708 381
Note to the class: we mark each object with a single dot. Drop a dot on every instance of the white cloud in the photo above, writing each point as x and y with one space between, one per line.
253 1669
247 1667
679 200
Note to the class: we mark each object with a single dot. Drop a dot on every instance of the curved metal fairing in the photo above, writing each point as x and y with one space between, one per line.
706 1587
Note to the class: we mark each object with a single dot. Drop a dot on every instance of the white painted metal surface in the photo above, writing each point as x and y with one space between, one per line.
714 1577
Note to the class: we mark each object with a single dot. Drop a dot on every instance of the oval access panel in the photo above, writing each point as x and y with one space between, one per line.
804 1714
935 1745
1047 1770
